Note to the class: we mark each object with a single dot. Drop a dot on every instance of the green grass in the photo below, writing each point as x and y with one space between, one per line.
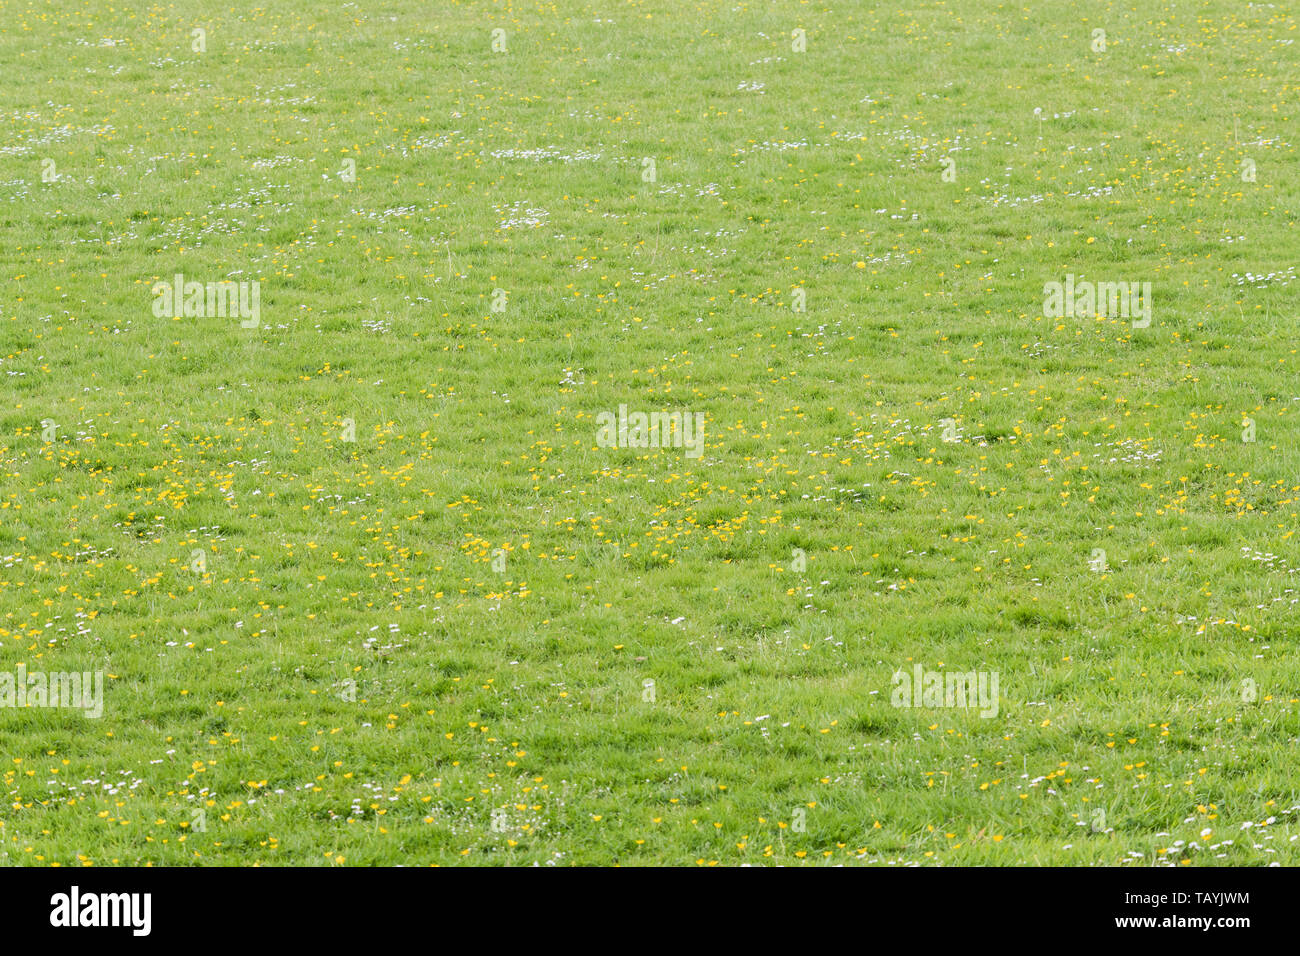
523 692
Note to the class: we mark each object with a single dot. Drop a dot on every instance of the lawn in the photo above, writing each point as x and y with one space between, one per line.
368 574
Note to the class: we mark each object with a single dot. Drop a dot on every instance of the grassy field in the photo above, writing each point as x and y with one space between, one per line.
366 587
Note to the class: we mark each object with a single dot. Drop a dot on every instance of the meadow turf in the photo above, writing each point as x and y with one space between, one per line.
367 590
